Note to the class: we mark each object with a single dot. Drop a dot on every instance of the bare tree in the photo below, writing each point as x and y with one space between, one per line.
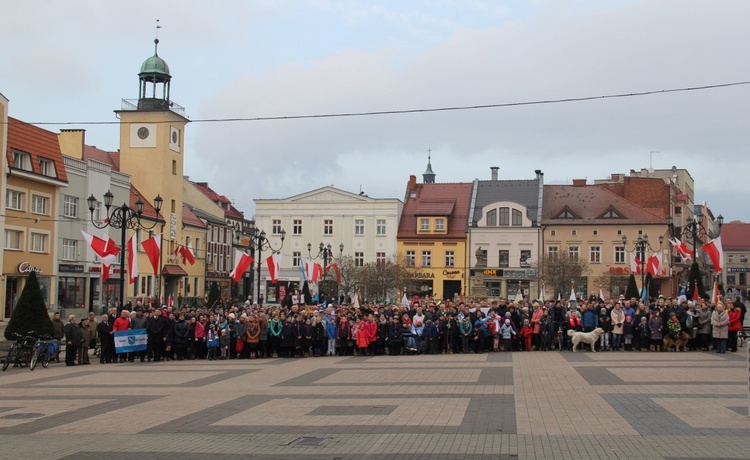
614 285
382 280
349 275
559 270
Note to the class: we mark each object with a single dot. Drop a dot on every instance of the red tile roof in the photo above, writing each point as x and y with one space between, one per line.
453 198
37 142
225 203
188 218
588 203
110 158
735 236
149 212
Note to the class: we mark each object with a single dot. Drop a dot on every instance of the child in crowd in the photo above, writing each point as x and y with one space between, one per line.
212 341
507 332
224 344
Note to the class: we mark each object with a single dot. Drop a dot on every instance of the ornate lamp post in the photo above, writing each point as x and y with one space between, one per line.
640 246
262 243
324 252
694 231
123 217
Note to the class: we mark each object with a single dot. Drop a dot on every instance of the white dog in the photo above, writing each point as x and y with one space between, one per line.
585 337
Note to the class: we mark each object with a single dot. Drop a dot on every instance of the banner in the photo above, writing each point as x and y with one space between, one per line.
131 340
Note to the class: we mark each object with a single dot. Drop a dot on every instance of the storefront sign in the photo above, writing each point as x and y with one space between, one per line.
26 267
68 268
738 270
422 275
451 273
98 269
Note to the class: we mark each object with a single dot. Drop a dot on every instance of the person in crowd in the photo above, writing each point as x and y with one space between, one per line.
138 321
720 325
72 340
93 323
704 327
83 346
224 343
734 327
122 323
617 320
507 332
107 340
212 342
157 336
252 336
180 334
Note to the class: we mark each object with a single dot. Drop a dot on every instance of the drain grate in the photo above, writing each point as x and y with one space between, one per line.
24 416
308 441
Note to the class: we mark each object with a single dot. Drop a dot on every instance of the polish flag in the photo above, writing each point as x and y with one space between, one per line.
715 252
274 265
715 292
653 265
132 261
635 264
241 263
335 268
152 246
681 248
314 271
187 255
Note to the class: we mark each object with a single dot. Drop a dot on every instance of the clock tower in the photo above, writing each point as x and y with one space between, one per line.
152 144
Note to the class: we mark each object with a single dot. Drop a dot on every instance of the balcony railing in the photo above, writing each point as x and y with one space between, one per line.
133 104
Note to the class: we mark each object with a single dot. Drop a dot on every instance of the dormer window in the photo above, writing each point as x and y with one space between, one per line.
21 160
47 167
566 213
611 213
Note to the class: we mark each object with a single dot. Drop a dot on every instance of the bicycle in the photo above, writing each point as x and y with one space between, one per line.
22 351
45 349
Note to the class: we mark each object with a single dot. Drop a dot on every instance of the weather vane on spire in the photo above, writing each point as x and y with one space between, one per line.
156 40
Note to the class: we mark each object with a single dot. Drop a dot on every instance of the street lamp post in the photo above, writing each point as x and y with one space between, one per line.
639 247
325 252
261 243
123 217
694 230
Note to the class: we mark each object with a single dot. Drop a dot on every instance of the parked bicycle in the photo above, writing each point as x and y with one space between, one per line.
46 349
21 352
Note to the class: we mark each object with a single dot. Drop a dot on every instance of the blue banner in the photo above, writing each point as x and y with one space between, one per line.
131 340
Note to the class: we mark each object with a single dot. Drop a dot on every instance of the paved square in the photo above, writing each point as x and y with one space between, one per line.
490 406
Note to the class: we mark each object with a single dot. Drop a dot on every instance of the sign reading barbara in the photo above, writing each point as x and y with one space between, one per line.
131 340
421 275
26 267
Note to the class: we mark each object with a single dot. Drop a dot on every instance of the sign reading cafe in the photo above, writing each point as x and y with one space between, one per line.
26 267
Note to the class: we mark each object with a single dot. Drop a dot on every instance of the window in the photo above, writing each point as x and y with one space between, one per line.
38 204
69 249
296 258
70 206
197 247
426 258
97 214
504 216
743 259
14 200
276 226
573 232
517 218
411 258
439 225
380 258
46 168
596 232
21 160
38 242
619 254
504 258
730 258
328 227
595 254
619 232
525 258
552 251
297 226
424 225
573 252
173 206
552 233
492 218
359 259
450 259
13 239
174 167
380 226
359 227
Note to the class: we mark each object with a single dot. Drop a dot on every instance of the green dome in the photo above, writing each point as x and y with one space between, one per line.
155 67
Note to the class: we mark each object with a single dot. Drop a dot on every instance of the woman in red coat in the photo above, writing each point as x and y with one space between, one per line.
735 326
362 337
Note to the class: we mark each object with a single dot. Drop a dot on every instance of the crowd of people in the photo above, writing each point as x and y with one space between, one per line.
250 331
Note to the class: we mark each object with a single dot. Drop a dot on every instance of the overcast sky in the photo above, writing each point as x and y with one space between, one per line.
73 61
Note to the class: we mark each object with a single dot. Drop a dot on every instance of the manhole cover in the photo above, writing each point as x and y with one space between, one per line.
308 441
22 416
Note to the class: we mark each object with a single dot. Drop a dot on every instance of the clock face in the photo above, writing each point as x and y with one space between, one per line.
143 132
174 137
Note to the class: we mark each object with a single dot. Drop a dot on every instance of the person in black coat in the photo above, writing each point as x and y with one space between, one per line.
73 339
107 340
287 338
180 333
156 336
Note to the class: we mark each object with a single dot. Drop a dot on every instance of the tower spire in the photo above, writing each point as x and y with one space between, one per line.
429 176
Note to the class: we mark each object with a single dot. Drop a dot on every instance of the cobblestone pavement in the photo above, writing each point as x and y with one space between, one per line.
614 405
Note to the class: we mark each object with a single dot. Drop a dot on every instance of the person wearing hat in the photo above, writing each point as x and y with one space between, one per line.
83 347
93 323
72 340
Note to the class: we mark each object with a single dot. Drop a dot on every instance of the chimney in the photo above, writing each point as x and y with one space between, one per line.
579 182
412 182
538 173
494 172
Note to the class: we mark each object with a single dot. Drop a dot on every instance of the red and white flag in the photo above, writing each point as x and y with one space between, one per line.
635 264
242 262
274 265
152 246
715 252
681 248
653 265
314 271
187 255
101 246
715 292
335 267
132 261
